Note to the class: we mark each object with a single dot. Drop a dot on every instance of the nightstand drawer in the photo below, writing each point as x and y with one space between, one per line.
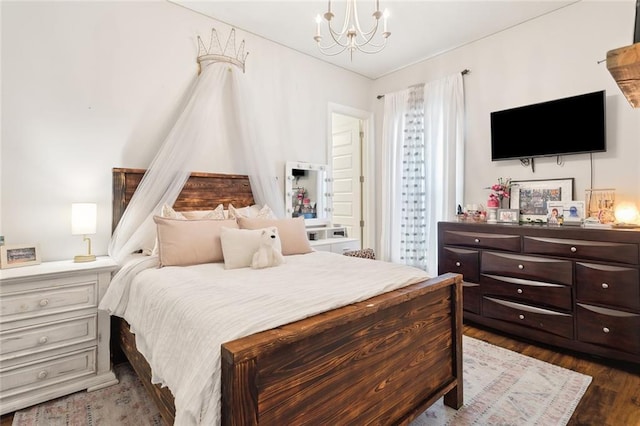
29 340
528 267
476 239
529 316
609 285
583 249
29 304
461 261
527 291
608 327
53 371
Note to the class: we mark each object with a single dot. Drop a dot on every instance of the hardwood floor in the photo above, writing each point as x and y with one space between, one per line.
612 399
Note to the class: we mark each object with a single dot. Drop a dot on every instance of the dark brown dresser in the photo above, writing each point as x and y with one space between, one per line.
571 287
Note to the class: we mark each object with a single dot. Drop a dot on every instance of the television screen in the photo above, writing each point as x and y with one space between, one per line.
572 125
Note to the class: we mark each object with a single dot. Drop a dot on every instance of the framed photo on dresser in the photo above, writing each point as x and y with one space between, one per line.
531 197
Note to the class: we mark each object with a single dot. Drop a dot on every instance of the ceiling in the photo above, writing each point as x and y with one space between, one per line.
420 29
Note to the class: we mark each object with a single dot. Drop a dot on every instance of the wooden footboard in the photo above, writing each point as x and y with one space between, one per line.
382 361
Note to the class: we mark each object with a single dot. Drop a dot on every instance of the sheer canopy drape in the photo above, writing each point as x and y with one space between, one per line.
423 168
217 113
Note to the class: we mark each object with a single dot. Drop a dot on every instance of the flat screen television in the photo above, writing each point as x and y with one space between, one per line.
572 125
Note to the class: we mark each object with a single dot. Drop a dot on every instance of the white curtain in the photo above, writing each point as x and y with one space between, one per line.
218 112
423 169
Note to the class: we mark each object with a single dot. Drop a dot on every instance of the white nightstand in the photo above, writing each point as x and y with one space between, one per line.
53 339
331 238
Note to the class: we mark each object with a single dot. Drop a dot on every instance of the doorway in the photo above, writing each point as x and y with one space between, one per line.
348 156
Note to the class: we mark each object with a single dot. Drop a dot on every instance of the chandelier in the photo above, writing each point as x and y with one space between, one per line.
351 37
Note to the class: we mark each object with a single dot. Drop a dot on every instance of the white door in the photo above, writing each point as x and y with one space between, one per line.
346 165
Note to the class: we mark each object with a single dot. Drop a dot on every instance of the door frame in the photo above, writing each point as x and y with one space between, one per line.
368 150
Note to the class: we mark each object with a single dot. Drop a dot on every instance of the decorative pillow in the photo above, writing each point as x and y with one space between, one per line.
190 242
239 246
169 212
254 211
293 234
364 253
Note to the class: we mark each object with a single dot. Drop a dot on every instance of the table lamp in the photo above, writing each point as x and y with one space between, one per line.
83 222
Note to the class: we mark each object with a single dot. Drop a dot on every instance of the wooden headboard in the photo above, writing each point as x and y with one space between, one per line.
202 191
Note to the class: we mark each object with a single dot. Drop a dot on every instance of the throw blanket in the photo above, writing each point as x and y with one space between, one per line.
182 315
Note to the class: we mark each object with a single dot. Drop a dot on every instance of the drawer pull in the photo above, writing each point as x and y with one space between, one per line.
521 316
520 266
605 285
43 340
606 329
477 240
42 375
573 249
519 291
458 263
43 302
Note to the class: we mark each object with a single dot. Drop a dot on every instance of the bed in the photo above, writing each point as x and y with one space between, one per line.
383 360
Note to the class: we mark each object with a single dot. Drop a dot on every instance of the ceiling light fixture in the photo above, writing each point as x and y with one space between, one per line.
351 37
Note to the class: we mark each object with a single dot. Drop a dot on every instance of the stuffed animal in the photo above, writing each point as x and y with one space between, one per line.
268 254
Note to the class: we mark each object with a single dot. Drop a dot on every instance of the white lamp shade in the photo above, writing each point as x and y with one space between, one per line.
83 218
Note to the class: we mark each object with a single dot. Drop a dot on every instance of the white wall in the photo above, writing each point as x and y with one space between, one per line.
547 58
88 86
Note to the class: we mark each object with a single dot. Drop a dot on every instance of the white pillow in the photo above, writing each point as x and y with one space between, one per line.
254 211
239 246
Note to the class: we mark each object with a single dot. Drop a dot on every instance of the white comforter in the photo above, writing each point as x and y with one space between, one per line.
181 315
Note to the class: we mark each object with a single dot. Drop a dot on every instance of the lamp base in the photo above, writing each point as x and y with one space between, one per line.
84 258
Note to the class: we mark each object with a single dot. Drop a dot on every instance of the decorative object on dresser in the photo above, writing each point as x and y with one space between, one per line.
54 340
83 222
599 204
509 216
575 288
13 256
530 197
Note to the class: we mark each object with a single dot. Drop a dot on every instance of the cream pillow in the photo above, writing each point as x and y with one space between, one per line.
293 234
253 211
190 242
239 246
217 214
169 212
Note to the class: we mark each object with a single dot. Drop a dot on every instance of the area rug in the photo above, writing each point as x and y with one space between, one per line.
501 387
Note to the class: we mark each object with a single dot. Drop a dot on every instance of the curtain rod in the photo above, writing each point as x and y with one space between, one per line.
463 72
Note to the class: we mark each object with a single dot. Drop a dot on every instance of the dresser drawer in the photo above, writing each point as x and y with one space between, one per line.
528 267
609 285
527 291
476 239
608 327
529 316
471 297
45 337
50 372
583 249
29 304
461 261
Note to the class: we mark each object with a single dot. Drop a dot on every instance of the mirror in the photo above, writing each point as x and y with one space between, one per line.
308 192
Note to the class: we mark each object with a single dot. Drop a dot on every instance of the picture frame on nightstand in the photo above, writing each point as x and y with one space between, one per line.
13 256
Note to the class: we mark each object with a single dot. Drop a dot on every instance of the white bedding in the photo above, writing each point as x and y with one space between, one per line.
181 315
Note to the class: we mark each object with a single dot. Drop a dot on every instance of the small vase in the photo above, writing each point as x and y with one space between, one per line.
504 203
492 215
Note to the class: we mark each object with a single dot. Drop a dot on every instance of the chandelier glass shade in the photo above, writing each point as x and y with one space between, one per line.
351 36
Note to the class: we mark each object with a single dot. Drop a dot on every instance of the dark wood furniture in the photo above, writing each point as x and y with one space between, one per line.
381 361
571 287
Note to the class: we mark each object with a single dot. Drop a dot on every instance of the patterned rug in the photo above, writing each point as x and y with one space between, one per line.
501 387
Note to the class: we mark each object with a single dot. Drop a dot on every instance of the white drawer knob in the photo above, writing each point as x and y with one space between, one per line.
521 316
458 263
42 375
43 340
477 240
573 249
44 302
605 285
605 329
519 291
520 266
